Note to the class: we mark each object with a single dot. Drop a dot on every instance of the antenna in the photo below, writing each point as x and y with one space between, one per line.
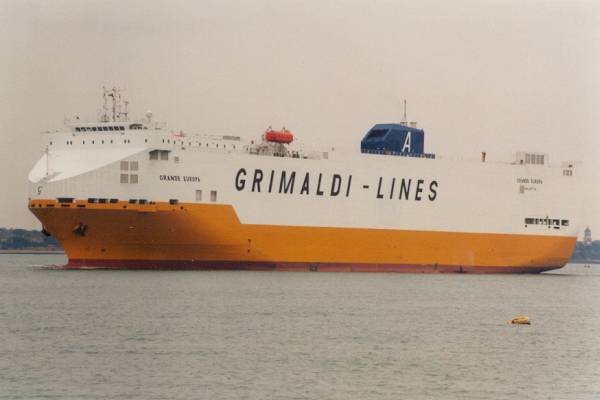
115 96
104 117
125 112
404 119
115 112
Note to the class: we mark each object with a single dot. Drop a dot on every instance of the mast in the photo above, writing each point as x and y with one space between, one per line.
47 152
116 108
114 104
105 95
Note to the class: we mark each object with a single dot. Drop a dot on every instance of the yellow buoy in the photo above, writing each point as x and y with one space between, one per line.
520 320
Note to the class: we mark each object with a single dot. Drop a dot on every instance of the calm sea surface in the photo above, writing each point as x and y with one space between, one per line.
277 335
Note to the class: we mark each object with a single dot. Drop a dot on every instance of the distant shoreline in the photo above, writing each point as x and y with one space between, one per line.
30 251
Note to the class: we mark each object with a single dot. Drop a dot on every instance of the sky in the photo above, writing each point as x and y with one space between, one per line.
494 76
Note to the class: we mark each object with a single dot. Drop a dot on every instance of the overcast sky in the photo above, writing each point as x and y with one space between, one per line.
494 76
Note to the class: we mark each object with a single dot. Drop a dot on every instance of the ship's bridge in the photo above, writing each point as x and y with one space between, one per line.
106 127
114 117
114 126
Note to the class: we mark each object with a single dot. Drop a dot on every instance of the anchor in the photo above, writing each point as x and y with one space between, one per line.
80 229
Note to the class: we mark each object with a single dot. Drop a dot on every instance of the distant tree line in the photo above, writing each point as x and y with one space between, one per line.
586 254
22 239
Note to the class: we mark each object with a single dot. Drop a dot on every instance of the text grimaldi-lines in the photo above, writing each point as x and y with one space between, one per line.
332 184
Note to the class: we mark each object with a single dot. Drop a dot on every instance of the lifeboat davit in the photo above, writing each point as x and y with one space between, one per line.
282 136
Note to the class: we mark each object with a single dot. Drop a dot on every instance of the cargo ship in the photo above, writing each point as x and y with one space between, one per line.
134 194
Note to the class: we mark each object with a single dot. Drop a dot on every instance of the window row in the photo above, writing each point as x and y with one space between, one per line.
547 221
213 195
129 165
99 128
129 178
531 158
199 144
159 154
125 141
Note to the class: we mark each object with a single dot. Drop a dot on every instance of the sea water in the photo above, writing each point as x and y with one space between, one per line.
95 334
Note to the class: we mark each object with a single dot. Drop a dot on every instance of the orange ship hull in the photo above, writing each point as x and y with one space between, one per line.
210 236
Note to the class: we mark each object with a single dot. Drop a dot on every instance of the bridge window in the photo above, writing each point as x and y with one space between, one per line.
124 178
133 178
124 165
133 165
377 133
159 154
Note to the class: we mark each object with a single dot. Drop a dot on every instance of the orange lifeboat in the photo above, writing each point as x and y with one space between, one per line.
282 136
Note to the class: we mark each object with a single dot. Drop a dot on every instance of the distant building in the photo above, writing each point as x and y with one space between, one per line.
587 237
